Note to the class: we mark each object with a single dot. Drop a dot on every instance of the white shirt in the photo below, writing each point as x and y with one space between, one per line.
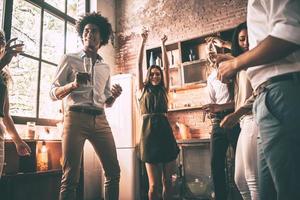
95 97
218 91
280 19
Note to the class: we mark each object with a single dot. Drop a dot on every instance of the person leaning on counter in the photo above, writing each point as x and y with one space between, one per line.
84 117
7 51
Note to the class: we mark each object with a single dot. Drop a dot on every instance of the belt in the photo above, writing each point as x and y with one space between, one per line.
220 115
295 76
88 111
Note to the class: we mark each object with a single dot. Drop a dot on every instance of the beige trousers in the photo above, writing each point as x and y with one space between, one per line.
79 127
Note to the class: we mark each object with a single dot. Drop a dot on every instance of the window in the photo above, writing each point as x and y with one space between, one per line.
1 13
47 29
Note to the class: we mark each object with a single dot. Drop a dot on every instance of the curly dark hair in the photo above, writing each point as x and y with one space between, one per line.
236 50
97 19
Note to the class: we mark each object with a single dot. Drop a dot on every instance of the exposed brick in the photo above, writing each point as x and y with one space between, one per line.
180 20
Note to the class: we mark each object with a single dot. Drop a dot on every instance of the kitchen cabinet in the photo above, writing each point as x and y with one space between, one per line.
187 58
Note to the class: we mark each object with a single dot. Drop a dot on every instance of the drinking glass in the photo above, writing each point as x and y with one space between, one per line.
18 48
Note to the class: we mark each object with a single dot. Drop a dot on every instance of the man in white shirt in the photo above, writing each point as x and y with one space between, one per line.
273 66
84 117
220 104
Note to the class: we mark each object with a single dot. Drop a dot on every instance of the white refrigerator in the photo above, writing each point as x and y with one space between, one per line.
121 118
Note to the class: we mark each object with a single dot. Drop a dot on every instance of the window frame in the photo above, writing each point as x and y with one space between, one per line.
45 7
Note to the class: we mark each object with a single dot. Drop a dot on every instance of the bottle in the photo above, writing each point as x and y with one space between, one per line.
151 59
191 55
172 58
42 158
158 61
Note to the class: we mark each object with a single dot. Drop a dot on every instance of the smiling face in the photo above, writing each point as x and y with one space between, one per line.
155 76
243 40
91 37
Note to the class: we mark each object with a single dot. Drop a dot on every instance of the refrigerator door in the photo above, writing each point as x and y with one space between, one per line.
129 183
120 115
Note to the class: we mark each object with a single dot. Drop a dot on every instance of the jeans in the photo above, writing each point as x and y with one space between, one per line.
277 112
246 172
220 141
77 128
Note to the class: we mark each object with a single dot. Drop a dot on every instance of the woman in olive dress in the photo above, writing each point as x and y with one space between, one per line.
158 147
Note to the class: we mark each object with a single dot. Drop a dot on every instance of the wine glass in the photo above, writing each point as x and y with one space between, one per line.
19 48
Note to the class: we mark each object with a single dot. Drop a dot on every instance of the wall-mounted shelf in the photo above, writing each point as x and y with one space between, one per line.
187 108
187 59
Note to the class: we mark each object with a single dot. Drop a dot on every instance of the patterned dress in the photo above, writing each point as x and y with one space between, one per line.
157 144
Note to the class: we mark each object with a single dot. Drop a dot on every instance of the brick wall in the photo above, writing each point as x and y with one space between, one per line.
179 20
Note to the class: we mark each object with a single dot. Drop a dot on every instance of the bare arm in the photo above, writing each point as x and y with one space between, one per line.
140 59
166 63
22 148
269 50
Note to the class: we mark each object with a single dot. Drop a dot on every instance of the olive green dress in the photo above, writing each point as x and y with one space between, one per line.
157 144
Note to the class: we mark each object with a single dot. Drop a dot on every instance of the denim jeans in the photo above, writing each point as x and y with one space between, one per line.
277 112
220 141
77 128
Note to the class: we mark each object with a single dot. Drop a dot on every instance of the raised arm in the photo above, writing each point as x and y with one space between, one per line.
166 64
140 59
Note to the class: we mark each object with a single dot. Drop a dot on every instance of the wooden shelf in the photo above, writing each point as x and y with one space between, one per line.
185 108
194 62
192 141
189 86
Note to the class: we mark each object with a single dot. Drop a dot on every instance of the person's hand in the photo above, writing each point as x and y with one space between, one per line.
218 42
9 51
227 70
229 121
211 108
116 90
222 57
23 149
144 35
164 39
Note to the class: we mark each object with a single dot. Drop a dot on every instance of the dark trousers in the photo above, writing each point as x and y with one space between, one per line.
220 141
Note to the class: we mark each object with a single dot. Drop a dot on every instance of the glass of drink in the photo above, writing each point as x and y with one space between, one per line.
20 44
20 49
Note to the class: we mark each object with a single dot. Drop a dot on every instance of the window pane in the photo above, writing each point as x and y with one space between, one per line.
73 40
53 38
23 92
26 23
48 109
1 13
58 4
76 8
